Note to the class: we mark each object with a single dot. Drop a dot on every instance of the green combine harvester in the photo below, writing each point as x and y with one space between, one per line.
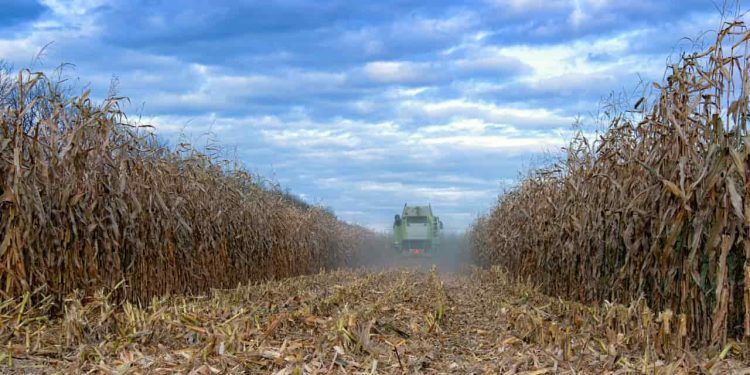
416 231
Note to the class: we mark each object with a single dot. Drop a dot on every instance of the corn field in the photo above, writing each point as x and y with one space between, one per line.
88 201
656 207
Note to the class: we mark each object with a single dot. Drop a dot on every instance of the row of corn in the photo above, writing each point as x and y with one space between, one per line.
88 200
657 206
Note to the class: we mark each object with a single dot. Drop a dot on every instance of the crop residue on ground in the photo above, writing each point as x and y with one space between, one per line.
394 321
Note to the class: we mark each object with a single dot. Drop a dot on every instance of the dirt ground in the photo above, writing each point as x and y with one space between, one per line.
409 319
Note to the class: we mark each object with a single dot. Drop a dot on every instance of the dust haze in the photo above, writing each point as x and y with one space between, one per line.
454 253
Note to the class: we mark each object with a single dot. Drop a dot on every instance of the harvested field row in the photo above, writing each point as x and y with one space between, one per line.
88 201
657 208
398 321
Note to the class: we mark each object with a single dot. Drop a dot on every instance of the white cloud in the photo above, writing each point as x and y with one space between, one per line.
212 89
529 5
71 9
23 49
421 193
549 61
577 17
311 138
457 23
396 71
474 126
465 109
509 145
489 63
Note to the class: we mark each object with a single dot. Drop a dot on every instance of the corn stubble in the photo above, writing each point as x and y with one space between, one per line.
657 208
88 201
399 321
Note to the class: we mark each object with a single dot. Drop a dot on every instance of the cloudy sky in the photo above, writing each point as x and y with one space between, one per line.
364 105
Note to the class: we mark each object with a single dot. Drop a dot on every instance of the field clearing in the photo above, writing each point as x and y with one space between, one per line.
353 321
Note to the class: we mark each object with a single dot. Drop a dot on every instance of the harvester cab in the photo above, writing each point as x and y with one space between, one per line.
416 231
